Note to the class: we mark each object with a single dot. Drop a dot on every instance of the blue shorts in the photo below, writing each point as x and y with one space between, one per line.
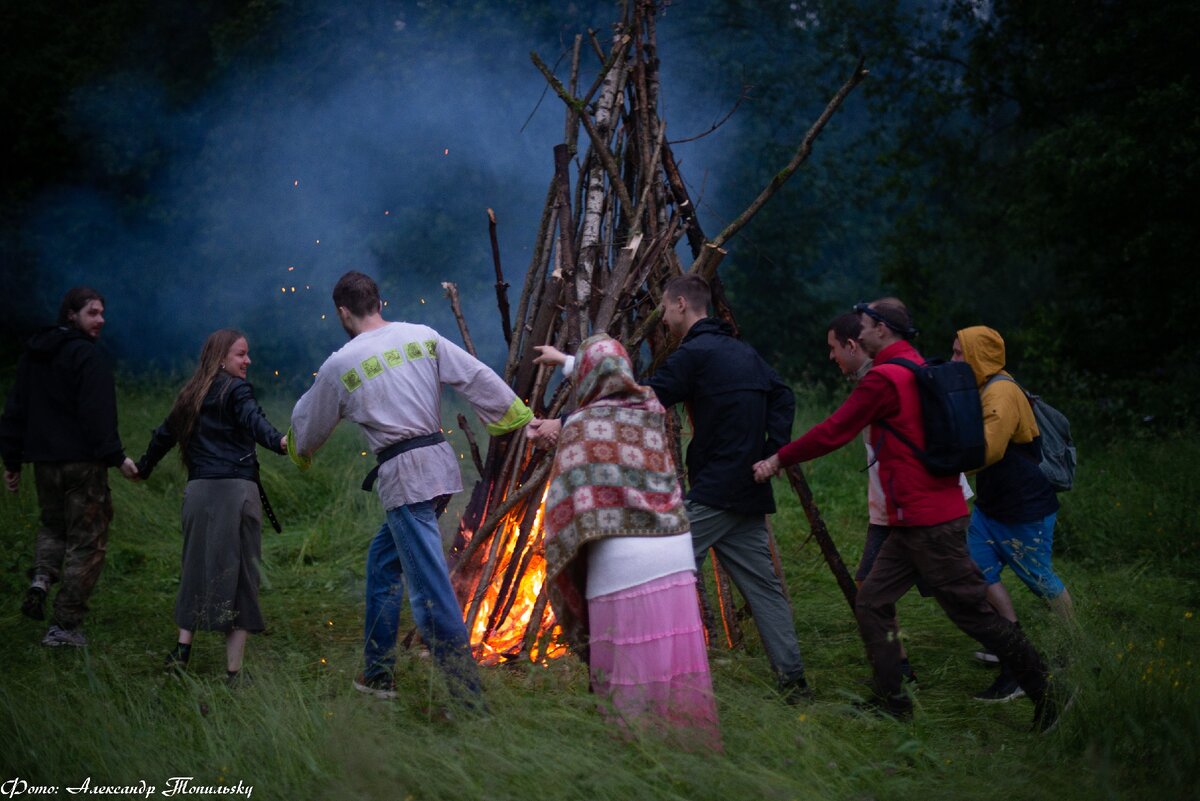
1025 547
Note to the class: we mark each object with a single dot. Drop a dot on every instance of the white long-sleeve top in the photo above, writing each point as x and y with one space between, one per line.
388 381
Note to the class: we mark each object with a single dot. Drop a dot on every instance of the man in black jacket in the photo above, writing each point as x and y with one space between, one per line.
61 415
741 413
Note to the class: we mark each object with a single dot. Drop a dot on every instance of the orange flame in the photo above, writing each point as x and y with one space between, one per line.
507 638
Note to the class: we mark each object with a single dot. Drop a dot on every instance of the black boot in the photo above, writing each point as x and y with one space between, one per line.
178 658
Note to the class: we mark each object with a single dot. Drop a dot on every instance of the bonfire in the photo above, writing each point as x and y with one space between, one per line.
615 210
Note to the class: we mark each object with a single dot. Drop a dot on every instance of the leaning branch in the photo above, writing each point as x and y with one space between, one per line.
452 293
501 284
601 147
801 155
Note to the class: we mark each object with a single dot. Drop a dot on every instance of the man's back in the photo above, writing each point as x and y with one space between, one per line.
741 412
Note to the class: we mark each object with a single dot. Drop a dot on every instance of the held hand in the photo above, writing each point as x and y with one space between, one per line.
12 480
764 470
543 433
548 354
129 469
283 443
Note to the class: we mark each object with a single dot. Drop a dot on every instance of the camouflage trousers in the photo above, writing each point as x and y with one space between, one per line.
76 508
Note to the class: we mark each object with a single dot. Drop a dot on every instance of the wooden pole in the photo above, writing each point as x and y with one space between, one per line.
501 284
821 534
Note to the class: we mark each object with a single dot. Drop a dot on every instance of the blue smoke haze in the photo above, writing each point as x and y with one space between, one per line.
378 154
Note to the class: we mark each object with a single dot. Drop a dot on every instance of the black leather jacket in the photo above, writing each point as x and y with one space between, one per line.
222 445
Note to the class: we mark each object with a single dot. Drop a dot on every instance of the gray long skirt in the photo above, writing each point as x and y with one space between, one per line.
222 546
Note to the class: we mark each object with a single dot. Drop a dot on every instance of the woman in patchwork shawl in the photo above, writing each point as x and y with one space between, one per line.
619 552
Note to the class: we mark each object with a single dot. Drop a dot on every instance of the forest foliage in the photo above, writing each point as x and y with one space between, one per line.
1024 165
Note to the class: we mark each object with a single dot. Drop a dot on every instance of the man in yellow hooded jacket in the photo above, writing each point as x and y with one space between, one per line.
1012 524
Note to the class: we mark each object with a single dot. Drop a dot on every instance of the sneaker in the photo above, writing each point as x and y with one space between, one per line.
1049 709
1004 688
987 657
382 687
57 636
34 604
795 691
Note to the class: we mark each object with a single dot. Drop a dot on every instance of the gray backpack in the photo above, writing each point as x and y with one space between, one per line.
1058 449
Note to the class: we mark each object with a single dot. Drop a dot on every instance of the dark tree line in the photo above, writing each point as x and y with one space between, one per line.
1028 165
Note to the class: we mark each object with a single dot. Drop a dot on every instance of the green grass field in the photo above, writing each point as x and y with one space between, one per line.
1129 541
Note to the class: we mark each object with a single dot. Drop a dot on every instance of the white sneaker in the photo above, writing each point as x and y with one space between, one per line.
987 657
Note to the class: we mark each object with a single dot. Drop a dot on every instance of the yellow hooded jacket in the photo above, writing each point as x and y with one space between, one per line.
1007 415
1010 487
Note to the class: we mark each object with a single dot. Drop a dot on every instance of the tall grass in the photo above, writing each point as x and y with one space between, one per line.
110 713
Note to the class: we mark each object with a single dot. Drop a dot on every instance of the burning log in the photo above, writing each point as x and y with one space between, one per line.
605 246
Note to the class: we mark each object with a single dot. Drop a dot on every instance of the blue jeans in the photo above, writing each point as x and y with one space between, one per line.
409 545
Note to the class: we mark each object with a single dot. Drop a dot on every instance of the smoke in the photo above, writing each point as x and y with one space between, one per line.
366 140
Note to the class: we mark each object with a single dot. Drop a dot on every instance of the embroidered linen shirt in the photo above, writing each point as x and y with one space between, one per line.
389 381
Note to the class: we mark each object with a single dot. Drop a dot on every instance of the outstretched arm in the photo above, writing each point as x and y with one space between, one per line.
316 414
251 416
493 400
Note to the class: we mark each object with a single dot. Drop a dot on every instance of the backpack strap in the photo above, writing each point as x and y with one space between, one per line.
1030 399
884 424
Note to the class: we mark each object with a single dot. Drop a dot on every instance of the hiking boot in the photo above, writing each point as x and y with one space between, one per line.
34 604
796 691
898 707
382 687
238 679
1049 709
57 636
987 657
1004 688
178 658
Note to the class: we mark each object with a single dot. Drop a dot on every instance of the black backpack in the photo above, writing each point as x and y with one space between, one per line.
952 414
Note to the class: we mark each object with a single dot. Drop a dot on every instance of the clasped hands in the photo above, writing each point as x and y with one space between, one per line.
543 433
764 470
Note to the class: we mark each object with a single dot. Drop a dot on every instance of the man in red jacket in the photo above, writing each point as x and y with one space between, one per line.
928 517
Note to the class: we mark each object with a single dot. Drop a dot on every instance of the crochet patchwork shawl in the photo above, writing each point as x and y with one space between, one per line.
613 474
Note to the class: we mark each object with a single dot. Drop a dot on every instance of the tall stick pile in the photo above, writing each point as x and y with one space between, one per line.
615 209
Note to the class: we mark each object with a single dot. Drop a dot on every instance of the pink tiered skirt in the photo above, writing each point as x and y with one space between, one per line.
649 661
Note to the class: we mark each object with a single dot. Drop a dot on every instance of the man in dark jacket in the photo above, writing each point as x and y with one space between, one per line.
741 412
61 415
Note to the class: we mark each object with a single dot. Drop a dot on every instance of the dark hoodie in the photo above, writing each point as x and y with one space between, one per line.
63 404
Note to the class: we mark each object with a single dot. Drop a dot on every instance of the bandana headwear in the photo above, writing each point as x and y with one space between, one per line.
603 370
